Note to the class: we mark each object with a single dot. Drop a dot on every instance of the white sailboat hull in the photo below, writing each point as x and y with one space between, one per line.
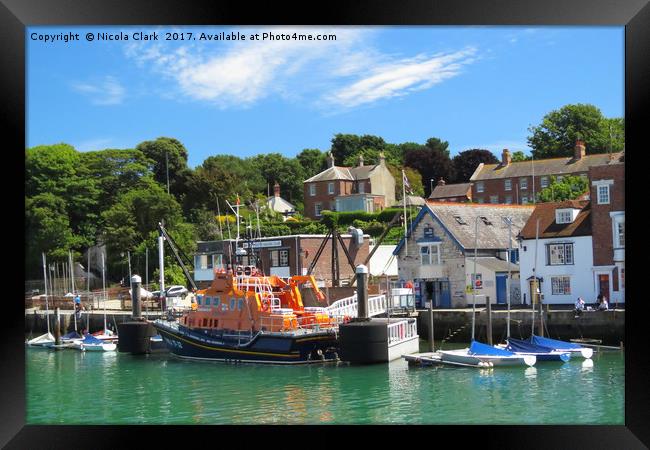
464 357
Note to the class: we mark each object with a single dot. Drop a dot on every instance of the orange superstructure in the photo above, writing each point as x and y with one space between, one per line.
250 301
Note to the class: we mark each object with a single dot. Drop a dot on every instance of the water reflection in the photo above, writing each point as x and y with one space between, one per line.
531 373
587 365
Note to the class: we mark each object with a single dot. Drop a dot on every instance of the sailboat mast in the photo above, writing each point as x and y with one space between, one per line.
474 281
509 274
534 294
47 309
72 284
104 290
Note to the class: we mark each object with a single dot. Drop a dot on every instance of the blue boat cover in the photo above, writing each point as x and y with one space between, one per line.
552 343
90 339
71 335
518 345
478 348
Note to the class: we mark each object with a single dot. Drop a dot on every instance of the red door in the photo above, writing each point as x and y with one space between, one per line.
603 285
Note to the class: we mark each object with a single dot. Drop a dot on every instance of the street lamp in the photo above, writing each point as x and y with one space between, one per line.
431 185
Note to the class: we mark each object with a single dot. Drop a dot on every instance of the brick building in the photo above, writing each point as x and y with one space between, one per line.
361 188
607 183
460 192
518 182
284 256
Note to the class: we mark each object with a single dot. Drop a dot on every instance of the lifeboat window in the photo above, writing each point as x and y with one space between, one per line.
210 323
205 322
207 301
241 304
232 304
217 300
198 300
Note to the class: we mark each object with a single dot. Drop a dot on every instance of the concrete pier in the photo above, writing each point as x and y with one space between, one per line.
455 325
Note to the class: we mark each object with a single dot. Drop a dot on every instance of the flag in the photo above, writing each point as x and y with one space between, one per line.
407 185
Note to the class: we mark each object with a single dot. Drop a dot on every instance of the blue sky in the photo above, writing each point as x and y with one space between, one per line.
475 87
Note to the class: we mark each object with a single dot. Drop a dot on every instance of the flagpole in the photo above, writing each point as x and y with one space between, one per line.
406 246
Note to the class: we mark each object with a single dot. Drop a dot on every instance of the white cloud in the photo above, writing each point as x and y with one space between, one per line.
345 73
93 144
107 91
402 77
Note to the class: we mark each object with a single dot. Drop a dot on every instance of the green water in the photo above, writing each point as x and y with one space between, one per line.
70 387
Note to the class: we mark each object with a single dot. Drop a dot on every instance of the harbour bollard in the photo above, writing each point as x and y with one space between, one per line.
57 327
136 282
362 292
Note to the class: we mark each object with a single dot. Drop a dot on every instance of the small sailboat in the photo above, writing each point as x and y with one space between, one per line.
542 353
569 347
47 339
91 343
105 335
484 353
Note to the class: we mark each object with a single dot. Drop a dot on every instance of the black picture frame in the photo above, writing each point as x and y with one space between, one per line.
15 15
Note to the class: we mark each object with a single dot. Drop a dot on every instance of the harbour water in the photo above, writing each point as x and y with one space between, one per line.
70 387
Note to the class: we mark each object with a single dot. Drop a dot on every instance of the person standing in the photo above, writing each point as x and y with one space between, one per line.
579 306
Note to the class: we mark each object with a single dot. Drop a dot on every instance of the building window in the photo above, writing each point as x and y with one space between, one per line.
217 261
603 194
480 187
544 182
330 188
429 254
561 285
523 183
312 189
362 188
563 216
524 200
559 179
279 258
620 232
318 207
508 185
508 199
559 254
494 199
479 200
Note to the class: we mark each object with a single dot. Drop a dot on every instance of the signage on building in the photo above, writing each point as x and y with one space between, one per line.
264 244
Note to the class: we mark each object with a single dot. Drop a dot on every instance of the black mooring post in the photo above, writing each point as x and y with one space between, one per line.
362 291
136 282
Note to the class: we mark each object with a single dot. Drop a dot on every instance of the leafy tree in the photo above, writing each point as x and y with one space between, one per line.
431 161
570 188
167 153
313 161
414 178
556 135
466 162
519 156
288 173
349 145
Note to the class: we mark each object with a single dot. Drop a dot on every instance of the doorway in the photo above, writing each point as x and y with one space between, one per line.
603 284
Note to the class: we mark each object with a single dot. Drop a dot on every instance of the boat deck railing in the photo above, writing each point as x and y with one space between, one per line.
349 306
402 331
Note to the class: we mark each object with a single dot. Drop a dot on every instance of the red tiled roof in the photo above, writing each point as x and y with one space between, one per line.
548 228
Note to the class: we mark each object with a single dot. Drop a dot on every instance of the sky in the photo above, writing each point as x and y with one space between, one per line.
474 87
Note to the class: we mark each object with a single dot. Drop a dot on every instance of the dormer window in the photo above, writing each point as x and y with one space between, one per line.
567 215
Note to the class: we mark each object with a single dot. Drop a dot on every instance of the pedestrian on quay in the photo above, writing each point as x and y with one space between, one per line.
580 306
603 306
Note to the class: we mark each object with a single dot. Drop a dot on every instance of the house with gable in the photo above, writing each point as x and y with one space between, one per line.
368 188
556 249
441 248
280 205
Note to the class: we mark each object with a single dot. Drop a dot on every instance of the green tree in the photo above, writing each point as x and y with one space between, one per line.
519 156
570 188
414 178
559 130
288 173
431 161
345 146
313 161
466 162
167 154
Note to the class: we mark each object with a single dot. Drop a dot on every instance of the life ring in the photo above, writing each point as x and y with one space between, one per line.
346 319
266 304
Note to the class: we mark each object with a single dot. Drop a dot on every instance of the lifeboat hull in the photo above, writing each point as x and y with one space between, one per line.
262 348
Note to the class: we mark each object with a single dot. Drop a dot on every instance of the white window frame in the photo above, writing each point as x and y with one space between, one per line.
480 187
524 200
603 195
312 189
507 184
557 254
508 200
494 199
362 188
430 253
543 182
318 208
330 188
561 285
523 184
563 216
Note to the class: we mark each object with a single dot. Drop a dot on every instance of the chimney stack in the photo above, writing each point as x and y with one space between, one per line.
360 160
580 150
330 160
276 189
506 157
382 159
441 182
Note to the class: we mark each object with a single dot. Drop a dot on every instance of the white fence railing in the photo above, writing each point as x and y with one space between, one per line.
402 331
349 306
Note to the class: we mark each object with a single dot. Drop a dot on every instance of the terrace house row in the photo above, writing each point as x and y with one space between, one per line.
519 182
